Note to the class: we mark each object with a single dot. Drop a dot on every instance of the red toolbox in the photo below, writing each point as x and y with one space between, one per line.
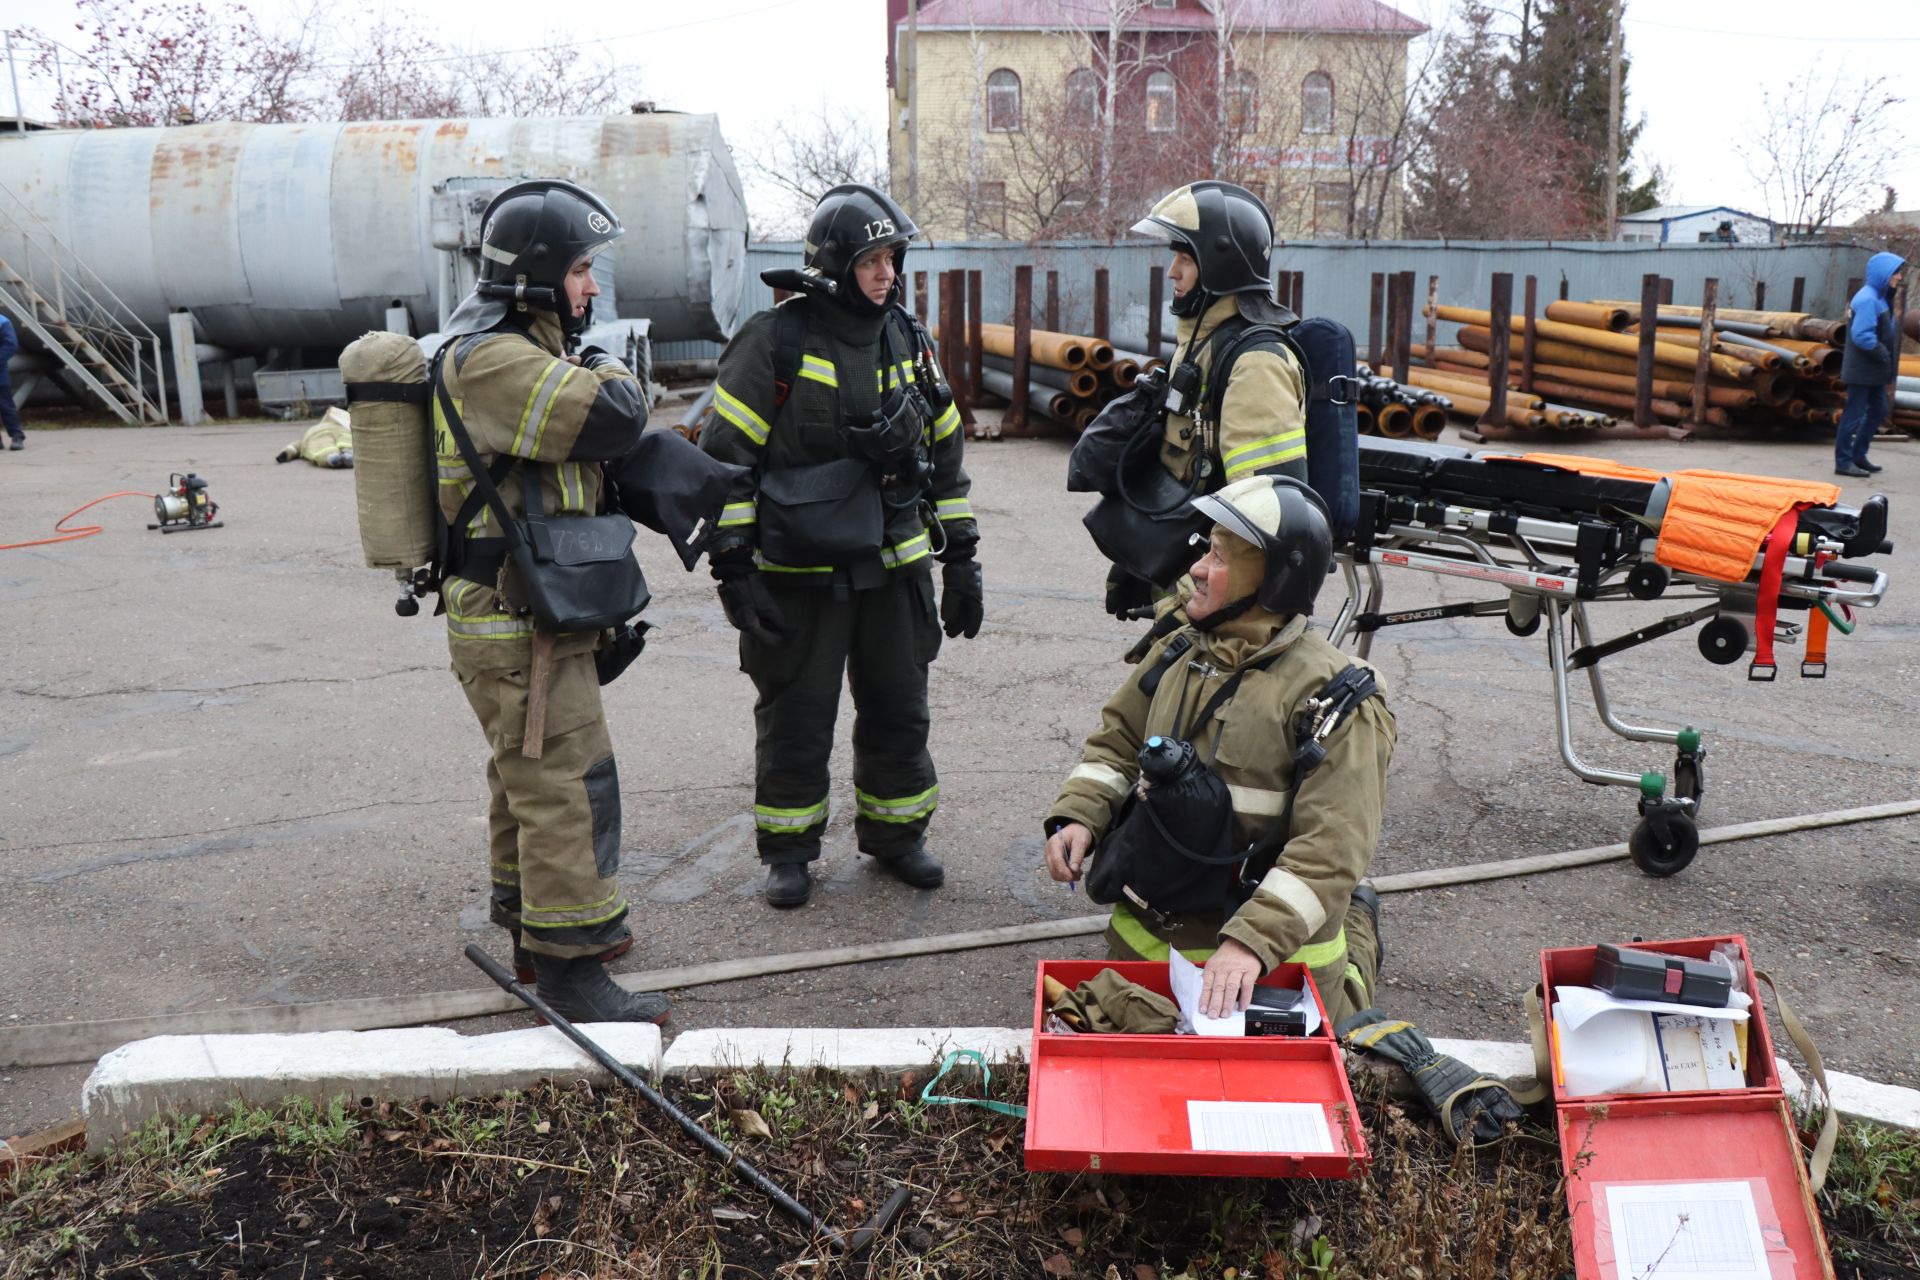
1702 1183
1195 1105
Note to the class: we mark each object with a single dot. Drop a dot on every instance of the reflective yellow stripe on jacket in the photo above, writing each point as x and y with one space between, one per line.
918 547
1134 932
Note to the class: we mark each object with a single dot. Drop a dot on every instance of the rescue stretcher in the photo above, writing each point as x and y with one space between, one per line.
1741 554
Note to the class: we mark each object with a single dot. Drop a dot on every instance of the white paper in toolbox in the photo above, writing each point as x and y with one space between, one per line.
1610 1045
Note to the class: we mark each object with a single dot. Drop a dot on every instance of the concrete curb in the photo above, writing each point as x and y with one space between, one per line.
205 1074
886 1049
189 1074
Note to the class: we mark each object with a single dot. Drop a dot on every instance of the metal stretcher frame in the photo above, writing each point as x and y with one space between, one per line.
1524 556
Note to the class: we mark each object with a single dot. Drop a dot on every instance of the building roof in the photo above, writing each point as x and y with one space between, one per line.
1341 16
1669 212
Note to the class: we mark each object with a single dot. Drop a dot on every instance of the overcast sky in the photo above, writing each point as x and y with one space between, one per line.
1699 66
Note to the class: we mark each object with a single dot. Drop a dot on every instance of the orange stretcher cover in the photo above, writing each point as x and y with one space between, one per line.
1716 520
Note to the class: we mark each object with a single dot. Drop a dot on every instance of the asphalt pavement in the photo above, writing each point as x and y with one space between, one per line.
230 775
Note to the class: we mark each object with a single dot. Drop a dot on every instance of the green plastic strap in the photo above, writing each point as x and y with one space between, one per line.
1840 624
986 1080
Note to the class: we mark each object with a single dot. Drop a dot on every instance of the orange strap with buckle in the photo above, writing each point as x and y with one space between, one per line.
1772 569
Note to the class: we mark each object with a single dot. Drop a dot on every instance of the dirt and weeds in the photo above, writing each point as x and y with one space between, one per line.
566 1182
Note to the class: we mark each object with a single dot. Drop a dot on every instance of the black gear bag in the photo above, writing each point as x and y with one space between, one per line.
578 572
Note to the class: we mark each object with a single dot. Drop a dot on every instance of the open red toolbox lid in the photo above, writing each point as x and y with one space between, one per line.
1198 1105
1696 1185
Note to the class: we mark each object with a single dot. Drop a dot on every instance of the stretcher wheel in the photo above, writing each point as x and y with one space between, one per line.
1724 640
1527 628
1648 581
1658 856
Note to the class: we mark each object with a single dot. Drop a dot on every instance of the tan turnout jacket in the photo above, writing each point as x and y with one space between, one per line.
517 393
1263 417
1297 913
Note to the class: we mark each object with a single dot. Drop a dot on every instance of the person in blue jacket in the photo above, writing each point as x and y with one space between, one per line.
1868 366
9 415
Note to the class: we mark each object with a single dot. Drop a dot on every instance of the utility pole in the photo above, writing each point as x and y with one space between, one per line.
913 108
1613 127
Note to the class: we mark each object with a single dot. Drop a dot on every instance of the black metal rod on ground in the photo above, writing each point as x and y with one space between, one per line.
852 1242
1053 302
1100 303
1299 293
1799 293
1759 295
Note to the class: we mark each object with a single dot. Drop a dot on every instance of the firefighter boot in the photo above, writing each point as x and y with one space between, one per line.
918 868
579 990
788 884
523 971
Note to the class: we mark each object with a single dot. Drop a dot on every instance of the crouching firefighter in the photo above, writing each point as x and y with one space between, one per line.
1230 801
824 553
542 470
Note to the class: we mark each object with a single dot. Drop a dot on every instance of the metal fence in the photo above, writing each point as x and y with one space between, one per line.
1336 275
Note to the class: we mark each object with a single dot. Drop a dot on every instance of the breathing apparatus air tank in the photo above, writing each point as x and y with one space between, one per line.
393 472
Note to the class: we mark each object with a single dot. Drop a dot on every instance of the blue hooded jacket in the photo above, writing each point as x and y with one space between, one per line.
1869 359
8 345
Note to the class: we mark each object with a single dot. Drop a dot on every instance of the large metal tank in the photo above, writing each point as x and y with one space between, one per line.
288 235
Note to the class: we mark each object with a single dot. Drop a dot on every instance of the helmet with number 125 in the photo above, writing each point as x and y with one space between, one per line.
851 221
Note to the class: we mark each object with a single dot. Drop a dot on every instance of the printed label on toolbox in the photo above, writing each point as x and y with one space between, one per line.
1258 1126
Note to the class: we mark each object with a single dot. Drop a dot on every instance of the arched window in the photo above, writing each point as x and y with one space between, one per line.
1161 103
1316 103
1003 102
1243 103
1083 98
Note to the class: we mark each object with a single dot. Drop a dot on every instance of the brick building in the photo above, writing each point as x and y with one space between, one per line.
1305 101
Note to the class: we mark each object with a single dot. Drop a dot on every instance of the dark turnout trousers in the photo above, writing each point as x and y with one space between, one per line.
883 638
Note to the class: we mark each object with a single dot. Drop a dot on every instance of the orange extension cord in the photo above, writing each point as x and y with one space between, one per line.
68 535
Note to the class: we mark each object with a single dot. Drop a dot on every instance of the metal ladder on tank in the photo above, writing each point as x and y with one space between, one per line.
69 310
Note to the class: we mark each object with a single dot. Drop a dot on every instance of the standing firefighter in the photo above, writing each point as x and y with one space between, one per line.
1221 236
824 554
546 426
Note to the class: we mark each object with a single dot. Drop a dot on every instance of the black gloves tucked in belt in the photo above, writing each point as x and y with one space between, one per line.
963 602
745 597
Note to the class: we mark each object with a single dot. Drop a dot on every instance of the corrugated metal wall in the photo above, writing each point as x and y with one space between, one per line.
1337 275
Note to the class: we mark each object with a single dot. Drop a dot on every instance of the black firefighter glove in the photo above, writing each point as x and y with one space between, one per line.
963 601
1465 1101
745 597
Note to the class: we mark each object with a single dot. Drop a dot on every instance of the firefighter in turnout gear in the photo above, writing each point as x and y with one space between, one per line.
538 416
825 552
1252 592
1221 236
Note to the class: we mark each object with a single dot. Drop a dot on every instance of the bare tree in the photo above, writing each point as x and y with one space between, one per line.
1114 67
1820 147
804 156
556 81
172 63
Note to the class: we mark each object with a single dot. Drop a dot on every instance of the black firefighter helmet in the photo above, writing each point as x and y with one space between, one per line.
850 221
531 236
1225 228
